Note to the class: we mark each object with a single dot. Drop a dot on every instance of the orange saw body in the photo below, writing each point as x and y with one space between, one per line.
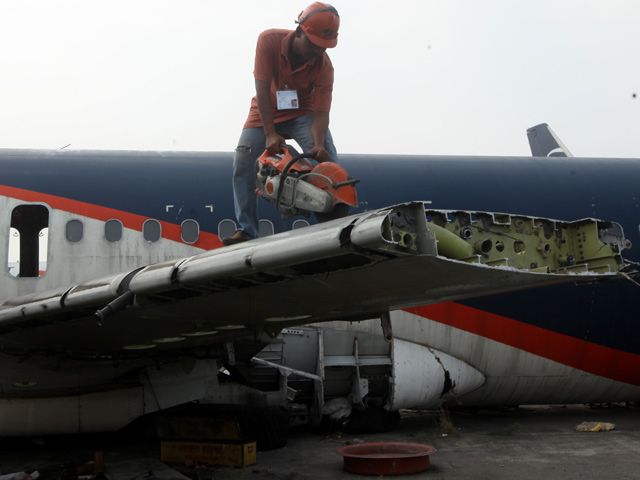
298 187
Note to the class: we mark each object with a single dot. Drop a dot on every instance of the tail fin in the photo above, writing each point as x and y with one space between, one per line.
545 143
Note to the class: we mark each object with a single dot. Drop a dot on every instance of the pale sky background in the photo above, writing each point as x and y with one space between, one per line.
419 77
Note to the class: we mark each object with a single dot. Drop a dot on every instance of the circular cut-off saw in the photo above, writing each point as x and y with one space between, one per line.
295 186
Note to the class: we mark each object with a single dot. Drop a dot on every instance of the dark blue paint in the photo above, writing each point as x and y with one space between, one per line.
563 188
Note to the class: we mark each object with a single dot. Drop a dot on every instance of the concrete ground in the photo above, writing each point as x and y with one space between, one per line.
527 443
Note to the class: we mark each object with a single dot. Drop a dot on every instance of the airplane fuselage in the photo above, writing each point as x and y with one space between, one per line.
109 212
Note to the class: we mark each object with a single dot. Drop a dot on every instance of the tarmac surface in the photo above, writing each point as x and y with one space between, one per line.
527 443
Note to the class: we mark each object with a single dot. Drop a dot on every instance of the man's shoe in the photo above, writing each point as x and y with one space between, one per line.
238 237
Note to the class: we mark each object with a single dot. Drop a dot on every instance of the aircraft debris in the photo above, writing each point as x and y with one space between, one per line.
595 427
20 476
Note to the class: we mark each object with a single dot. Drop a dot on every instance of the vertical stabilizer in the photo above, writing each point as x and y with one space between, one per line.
545 143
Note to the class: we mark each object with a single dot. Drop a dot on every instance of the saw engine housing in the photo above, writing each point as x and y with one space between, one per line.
296 186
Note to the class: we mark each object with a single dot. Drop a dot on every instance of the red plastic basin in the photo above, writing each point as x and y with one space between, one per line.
386 458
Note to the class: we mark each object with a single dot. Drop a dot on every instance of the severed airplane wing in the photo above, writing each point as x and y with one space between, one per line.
349 269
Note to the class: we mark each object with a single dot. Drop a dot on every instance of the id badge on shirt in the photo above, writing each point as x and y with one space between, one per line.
287 99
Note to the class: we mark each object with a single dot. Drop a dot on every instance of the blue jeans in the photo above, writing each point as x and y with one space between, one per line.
251 145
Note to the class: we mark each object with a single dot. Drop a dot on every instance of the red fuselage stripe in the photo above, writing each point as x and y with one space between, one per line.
170 231
589 357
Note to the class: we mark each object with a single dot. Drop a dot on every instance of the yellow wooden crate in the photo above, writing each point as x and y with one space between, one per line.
227 454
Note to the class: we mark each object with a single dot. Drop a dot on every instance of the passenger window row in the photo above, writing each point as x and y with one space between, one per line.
151 231
29 236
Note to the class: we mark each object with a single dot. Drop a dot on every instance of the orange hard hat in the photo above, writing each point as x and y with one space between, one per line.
320 23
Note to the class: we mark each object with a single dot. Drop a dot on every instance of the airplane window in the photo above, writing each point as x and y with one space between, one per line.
74 231
226 228
43 246
28 241
190 231
151 230
113 230
13 264
299 224
266 228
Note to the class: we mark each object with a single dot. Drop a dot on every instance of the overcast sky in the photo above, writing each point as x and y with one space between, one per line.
420 77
